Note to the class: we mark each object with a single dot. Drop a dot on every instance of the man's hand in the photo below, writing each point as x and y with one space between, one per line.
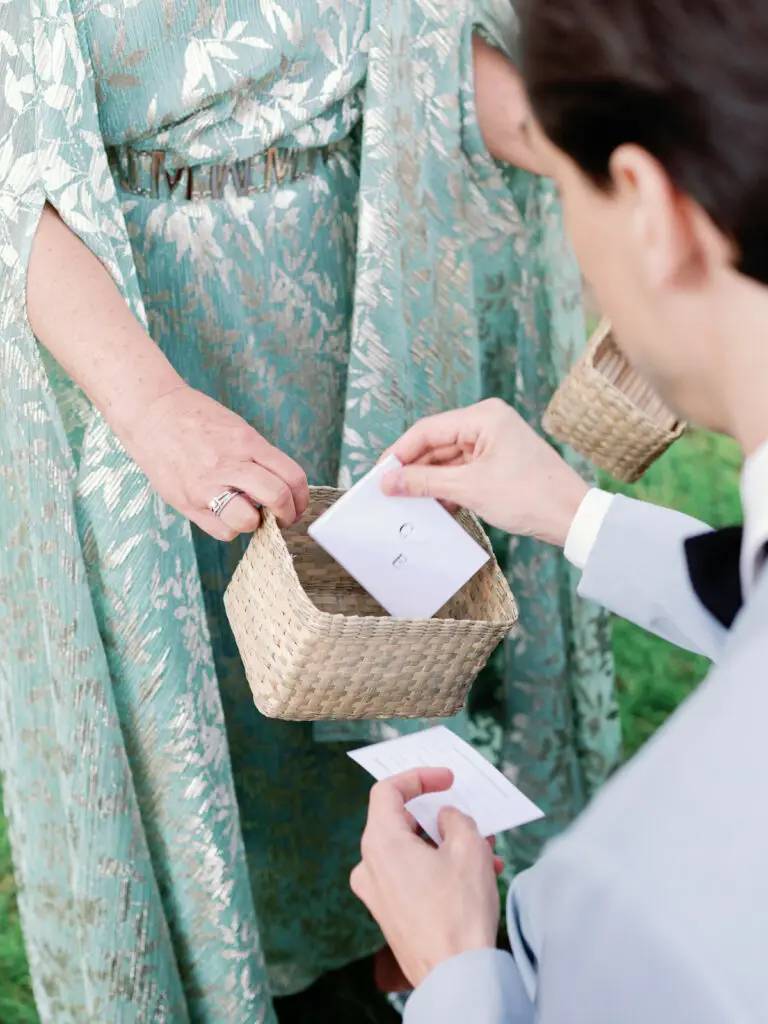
431 903
486 458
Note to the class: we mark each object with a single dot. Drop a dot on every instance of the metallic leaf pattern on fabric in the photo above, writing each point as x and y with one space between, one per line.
180 858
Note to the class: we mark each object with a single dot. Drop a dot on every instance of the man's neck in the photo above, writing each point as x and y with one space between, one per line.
744 363
753 435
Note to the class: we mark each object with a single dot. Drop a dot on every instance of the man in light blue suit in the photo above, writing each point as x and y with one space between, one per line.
653 908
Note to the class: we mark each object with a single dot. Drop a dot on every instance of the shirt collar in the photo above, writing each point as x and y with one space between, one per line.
754 499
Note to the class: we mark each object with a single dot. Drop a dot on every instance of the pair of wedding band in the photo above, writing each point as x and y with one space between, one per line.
221 501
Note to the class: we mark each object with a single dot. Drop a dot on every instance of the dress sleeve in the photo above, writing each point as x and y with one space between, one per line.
51 150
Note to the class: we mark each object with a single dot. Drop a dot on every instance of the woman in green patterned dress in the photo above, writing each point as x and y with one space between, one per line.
255 244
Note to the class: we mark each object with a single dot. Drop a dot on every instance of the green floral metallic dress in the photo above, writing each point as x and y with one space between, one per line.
355 261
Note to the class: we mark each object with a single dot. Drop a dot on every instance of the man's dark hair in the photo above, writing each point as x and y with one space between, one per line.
685 79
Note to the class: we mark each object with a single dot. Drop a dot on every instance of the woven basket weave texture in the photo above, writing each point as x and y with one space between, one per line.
608 413
316 646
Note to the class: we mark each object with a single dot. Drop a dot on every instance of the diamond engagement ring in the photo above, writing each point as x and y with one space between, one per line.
221 501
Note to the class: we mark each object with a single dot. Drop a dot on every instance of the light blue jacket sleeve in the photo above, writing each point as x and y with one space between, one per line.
482 987
637 569
653 907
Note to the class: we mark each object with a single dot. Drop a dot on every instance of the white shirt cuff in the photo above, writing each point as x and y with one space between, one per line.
586 526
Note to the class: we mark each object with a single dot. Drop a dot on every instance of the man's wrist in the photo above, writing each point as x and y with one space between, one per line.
560 497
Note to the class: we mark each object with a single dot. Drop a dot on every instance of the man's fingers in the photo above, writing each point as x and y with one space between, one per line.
412 824
450 455
439 431
455 826
386 808
358 881
446 483
459 427
389 823
460 833
393 794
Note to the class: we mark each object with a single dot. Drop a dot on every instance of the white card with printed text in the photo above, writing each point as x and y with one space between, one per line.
479 790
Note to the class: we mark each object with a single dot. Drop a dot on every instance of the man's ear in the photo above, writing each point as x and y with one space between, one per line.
675 242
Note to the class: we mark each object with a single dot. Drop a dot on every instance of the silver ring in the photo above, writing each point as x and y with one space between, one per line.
221 501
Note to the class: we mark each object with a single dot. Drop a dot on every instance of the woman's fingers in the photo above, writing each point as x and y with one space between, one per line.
257 487
238 517
208 522
285 469
265 488
241 516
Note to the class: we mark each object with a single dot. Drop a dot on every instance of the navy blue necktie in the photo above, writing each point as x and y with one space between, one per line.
714 566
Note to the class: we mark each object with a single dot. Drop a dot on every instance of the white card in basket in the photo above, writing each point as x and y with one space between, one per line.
408 553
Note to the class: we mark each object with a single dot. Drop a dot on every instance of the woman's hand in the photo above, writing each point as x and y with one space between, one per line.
486 458
193 449
503 113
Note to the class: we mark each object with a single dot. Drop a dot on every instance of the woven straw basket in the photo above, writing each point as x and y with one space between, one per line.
315 645
609 414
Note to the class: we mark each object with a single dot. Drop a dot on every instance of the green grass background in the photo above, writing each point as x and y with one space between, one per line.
699 475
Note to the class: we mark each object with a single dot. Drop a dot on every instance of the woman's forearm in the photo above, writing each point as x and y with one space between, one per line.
79 315
502 108
190 447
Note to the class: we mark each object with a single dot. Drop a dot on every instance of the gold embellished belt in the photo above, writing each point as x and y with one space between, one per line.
144 172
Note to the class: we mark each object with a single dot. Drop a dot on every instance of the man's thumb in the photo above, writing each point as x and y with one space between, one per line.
424 481
453 825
